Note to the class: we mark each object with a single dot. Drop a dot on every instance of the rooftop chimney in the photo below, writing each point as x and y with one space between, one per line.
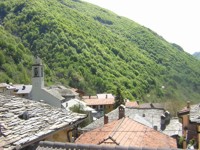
23 87
152 106
155 127
121 111
188 104
162 124
105 119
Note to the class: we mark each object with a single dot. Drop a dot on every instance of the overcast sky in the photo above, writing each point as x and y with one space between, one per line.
178 21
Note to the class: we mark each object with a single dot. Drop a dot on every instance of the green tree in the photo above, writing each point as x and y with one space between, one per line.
79 109
119 99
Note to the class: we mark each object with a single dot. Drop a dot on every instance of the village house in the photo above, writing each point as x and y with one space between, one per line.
156 118
190 118
102 103
125 131
26 122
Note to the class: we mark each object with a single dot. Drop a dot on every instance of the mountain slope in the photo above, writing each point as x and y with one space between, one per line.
87 47
197 55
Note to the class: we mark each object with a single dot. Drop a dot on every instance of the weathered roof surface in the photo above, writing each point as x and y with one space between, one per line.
149 117
127 132
131 104
152 105
173 128
47 145
42 120
53 92
3 85
64 91
107 101
23 89
72 102
195 113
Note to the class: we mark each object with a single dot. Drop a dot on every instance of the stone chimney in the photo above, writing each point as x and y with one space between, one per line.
152 106
188 104
167 117
121 111
105 119
162 123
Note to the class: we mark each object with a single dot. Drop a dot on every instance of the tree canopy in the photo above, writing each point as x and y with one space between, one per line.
93 49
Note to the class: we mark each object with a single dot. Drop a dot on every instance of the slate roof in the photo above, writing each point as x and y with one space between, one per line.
148 116
23 89
82 104
195 113
47 145
3 85
152 105
63 90
54 93
104 96
127 132
42 120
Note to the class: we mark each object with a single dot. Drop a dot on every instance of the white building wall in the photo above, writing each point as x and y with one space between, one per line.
42 95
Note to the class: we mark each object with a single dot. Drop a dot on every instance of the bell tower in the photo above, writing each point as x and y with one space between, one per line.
37 74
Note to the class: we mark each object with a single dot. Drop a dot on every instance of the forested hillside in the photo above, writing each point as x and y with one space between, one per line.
93 49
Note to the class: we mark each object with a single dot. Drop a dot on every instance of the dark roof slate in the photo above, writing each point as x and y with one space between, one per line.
27 120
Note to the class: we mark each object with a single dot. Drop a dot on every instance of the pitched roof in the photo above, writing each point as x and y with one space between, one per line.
153 105
127 132
47 145
3 85
106 101
54 93
148 116
82 104
23 89
195 113
131 104
27 121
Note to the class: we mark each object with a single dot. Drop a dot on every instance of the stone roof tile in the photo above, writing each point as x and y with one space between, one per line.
27 120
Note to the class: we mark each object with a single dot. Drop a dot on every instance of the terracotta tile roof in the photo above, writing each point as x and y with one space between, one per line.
127 132
27 121
107 101
88 97
131 104
184 110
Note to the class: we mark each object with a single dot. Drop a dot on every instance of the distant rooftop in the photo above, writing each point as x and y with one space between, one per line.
127 132
148 116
